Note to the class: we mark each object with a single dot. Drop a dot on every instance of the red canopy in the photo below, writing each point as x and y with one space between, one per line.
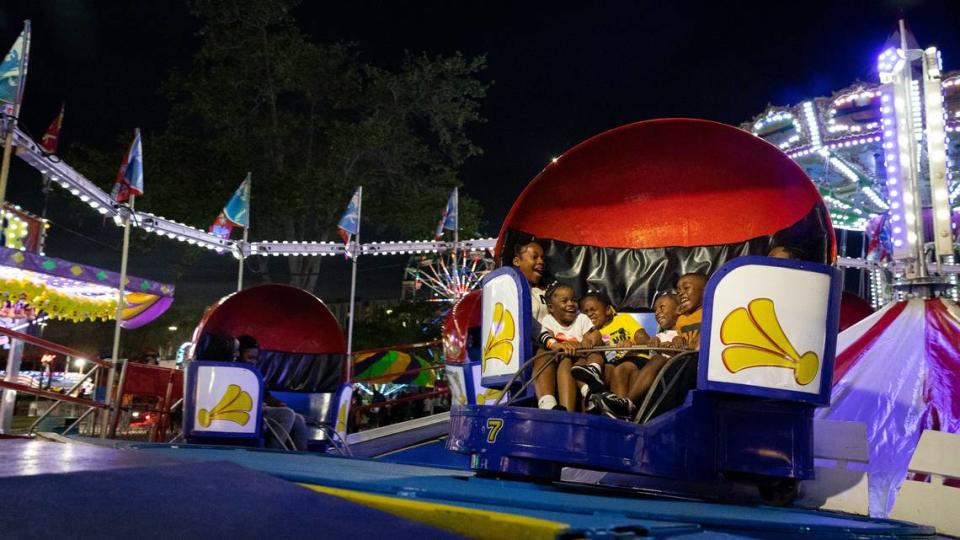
665 183
465 314
280 317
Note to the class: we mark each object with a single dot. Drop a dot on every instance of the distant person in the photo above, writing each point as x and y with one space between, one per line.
276 411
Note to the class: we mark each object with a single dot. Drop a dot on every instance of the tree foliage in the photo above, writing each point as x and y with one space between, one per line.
311 121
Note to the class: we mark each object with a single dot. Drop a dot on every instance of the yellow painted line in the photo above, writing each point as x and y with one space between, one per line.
469 522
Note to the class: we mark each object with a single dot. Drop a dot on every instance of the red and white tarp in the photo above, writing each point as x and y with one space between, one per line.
898 371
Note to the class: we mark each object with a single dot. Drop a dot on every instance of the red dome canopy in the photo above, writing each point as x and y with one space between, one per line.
280 317
665 183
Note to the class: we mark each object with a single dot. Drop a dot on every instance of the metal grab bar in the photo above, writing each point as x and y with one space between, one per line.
57 403
52 395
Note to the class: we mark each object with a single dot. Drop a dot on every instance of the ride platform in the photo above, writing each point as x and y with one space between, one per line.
103 491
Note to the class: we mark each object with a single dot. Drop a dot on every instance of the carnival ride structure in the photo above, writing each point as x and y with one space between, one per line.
749 198
879 150
884 156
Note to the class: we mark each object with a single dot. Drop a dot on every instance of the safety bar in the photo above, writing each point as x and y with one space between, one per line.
56 404
52 395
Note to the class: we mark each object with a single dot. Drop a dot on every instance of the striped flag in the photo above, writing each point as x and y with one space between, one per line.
236 213
13 73
449 220
51 138
130 175
350 222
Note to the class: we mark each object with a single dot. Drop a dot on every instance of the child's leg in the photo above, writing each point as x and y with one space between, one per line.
566 386
546 383
589 374
644 377
622 375
608 371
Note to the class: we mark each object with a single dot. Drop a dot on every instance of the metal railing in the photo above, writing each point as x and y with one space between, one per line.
17 339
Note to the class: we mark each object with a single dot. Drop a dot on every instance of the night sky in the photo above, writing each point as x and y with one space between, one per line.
561 72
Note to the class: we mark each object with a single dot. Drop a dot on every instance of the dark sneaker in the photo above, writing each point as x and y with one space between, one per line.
589 375
559 407
615 406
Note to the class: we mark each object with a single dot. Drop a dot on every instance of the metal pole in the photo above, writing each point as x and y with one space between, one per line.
353 286
80 419
116 329
115 412
7 154
246 229
914 181
240 272
10 396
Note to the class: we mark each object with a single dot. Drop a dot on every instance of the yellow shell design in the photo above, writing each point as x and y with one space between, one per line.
490 395
500 340
342 419
756 339
234 406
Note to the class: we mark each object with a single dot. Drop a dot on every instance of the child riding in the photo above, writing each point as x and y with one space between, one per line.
565 329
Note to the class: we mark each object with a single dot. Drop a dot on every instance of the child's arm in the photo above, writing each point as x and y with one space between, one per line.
592 339
641 337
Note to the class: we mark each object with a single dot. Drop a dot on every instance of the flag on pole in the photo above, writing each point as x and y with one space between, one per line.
349 224
51 138
450 218
130 175
13 72
236 213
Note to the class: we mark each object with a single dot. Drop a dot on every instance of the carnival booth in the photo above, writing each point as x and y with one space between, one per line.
630 211
301 362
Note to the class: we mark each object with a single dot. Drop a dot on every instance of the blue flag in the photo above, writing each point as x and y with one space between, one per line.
449 220
235 214
237 209
13 71
350 222
130 176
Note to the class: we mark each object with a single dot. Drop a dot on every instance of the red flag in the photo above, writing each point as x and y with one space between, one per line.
52 137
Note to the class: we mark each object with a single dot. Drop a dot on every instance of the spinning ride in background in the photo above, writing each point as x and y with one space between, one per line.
884 157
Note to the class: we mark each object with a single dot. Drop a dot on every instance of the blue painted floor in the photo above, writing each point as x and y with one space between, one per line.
591 514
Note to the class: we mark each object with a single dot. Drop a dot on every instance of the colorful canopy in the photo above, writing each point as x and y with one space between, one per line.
76 292
394 367
898 372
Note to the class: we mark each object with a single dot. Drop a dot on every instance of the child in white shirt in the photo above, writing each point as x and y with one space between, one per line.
565 329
